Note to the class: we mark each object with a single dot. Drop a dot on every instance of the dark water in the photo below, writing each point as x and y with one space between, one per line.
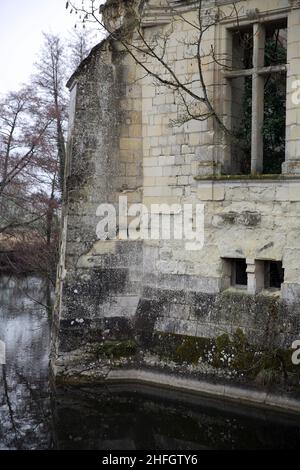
32 417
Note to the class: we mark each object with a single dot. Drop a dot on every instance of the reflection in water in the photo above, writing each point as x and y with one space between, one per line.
107 418
24 394
159 420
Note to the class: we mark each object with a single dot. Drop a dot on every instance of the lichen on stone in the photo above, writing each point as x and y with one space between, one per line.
116 349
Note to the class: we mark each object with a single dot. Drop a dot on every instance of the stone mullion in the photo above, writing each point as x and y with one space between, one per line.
257 99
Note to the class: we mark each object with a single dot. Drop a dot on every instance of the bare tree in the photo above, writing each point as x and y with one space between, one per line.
50 81
32 158
29 188
194 93
24 134
79 46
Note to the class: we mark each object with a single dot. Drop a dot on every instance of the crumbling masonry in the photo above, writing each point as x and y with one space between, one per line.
153 304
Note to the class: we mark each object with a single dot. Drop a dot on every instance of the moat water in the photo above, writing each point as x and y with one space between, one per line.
124 418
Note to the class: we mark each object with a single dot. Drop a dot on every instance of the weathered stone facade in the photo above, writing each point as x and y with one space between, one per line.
122 142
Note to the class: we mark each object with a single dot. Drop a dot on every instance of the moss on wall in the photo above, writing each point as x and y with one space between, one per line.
231 353
116 349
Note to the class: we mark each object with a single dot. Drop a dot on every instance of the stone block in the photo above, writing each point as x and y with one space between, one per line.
210 192
294 192
166 160
152 171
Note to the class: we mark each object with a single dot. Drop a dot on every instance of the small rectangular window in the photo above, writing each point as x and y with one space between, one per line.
274 274
240 272
235 272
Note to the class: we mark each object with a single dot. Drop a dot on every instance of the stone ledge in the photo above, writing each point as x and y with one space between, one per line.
275 294
241 395
266 177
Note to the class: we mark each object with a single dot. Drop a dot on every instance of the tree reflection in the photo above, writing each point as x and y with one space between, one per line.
24 392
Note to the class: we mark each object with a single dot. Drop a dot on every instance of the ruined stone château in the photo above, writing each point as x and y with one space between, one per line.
137 305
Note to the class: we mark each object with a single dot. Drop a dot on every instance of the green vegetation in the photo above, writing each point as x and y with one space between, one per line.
116 349
231 353
191 349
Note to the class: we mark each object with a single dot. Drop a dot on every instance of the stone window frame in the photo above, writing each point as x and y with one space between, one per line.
229 272
269 285
257 72
234 273
255 269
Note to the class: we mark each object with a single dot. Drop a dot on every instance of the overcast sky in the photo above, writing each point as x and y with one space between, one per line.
21 26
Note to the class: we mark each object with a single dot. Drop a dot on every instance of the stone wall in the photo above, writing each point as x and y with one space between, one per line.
126 139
